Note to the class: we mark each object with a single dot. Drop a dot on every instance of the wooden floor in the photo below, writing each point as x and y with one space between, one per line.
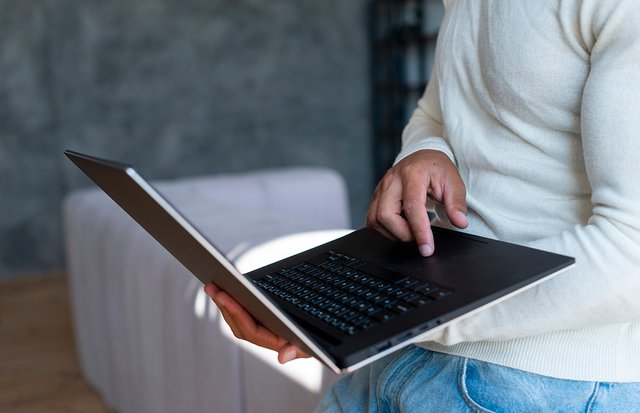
39 371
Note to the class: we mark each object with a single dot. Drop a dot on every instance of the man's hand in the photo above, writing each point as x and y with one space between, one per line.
245 327
398 208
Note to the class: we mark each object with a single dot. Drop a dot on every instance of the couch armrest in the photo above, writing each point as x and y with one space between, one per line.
317 195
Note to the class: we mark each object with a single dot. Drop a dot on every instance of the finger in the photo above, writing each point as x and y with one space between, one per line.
213 292
246 328
415 210
290 352
455 203
371 220
242 324
216 294
211 289
373 224
228 318
388 216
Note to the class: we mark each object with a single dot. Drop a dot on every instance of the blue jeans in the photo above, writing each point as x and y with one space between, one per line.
419 380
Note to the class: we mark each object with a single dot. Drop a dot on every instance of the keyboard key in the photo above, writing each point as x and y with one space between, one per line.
350 315
411 296
388 302
383 315
422 301
390 289
356 263
371 310
378 298
438 294
407 282
400 293
419 286
367 294
365 324
428 290
399 307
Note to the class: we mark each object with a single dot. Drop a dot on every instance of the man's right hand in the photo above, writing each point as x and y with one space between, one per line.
398 208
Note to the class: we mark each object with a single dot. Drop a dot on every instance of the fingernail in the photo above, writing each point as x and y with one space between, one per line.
288 355
463 216
426 250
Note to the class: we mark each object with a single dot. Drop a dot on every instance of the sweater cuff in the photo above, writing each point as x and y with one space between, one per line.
432 143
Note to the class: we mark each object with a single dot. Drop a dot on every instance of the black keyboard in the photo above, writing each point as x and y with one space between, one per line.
339 290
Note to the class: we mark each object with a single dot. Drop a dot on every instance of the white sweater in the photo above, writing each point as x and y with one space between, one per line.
538 104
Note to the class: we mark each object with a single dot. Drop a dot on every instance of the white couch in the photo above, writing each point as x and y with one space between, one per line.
149 340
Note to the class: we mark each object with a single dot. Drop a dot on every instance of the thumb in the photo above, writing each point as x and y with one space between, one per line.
455 203
289 352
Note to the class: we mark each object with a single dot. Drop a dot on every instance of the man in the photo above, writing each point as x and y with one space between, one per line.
529 131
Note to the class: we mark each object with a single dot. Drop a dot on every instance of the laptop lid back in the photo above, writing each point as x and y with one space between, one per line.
174 232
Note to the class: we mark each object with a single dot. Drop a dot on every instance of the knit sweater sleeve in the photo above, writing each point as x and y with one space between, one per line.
604 287
424 130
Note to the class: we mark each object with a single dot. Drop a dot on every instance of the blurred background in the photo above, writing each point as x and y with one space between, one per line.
179 89
196 87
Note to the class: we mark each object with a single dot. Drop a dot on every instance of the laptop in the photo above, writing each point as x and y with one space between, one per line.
350 301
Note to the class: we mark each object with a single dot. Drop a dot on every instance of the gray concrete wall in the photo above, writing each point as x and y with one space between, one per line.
177 87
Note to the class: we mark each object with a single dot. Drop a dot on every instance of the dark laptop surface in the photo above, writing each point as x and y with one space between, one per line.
352 300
